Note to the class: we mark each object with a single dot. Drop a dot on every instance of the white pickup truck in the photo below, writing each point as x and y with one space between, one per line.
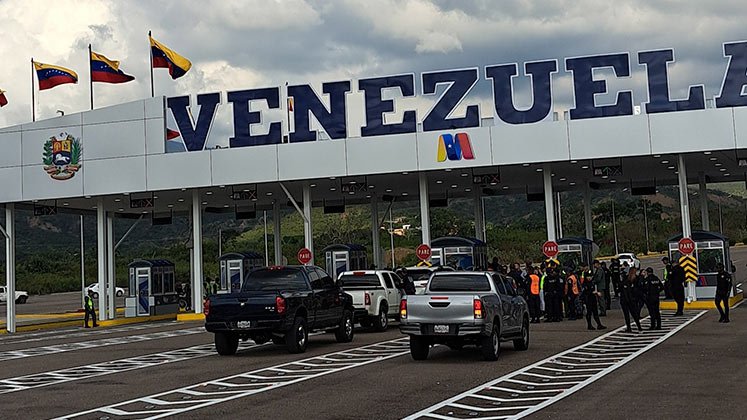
376 295
21 296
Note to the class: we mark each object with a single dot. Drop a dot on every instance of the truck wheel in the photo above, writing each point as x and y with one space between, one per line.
344 333
297 338
523 342
419 347
226 343
381 322
490 345
21 299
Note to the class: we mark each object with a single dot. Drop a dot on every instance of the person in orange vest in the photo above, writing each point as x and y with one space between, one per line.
534 296
571 292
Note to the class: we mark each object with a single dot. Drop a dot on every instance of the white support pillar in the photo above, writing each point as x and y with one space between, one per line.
111 280
197 274
375 233
10 267
425 211
704 217
479 214
101 260
276 233
308 233
549 203
587 212
685 212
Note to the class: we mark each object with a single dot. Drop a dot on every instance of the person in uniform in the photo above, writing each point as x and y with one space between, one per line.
607 284
553 294
723 289
600 283
665 277
652 287
629 302
677 286
590 295
534 296
89 309
615 276
572 291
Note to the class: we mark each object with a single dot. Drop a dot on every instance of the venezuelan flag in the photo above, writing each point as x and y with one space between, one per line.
106 70
3 99
50 76
163 57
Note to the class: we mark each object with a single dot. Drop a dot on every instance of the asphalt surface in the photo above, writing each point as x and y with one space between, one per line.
52 307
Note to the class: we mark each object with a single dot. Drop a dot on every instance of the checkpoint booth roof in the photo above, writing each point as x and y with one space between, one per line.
572 251
711 248
344 257
460 252
234 266
152 288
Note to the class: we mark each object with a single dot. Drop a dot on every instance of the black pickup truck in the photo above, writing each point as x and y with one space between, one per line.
281 304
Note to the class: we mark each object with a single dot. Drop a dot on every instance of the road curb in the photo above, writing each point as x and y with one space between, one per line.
699 304
185 317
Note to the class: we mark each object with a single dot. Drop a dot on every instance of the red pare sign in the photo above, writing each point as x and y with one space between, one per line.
686 246
550 249
423 252
304 255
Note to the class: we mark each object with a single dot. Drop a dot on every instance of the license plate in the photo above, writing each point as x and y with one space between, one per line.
441 329
244 324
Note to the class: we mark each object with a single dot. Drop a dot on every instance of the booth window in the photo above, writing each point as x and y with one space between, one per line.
708 258
156 281
168 282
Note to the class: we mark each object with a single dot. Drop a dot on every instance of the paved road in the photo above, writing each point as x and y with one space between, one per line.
85 371
39 308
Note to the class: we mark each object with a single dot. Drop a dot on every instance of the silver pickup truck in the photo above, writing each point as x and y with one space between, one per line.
461 307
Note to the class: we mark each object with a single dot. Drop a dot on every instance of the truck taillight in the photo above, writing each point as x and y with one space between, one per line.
206 307
403 309
280 305
477 308
367 299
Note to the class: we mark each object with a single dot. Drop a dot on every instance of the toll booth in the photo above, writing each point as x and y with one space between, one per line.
152 289
573 251
233 268
711 248
459 252
345 257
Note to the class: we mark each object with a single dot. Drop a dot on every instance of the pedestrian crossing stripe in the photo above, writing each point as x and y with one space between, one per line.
687 262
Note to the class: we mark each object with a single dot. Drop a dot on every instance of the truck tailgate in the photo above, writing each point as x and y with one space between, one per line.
244 306
440 308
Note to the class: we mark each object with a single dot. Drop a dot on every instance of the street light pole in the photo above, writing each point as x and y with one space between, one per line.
645 223
614 227
267 250
82 266
391 235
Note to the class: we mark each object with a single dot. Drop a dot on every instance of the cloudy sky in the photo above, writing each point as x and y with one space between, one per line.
259 43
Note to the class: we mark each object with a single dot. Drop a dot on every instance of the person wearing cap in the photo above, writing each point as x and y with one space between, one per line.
534 296
677 285
600 281
629 301
652 287
723 289
553 294
665 277
591 294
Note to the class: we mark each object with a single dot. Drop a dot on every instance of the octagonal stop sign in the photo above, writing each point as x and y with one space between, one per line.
423 251
304 255
550 249
686 246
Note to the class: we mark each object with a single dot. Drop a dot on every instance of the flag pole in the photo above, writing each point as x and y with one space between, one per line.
90 74
287 111
33 93
150 54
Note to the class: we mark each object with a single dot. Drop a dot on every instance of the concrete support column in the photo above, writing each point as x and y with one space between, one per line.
425 211
10 267
110 269
685 211
549 203
276 233
587 212
705 219
101 260
375 233
479 214
308 233
197 274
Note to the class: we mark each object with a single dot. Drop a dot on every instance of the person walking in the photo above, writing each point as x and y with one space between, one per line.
572 292
666 272
629 302
600 282
590 295
607 284
723 290
534 296
652 287
677 286
615 276
553 294
89 310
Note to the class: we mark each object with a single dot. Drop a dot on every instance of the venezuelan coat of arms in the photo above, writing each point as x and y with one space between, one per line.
62 156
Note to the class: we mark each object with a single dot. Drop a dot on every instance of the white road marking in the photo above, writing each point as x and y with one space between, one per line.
74 333
193 397
62 348
534 387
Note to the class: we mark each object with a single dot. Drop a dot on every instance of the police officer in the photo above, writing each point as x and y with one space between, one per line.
666 272
723 289
590 295
615 276
600 282
553 294
572 291
652 287
89 310
407 283
534 296
677 286
629 302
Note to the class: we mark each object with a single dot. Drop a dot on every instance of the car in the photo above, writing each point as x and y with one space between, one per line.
462 308
94 288
282 304
376 295
21 296
421 274
629 258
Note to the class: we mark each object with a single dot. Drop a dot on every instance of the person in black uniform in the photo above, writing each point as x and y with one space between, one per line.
608 284
615 276
652 287
553 294
667 273
590 295
629 302
677 286
723 289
